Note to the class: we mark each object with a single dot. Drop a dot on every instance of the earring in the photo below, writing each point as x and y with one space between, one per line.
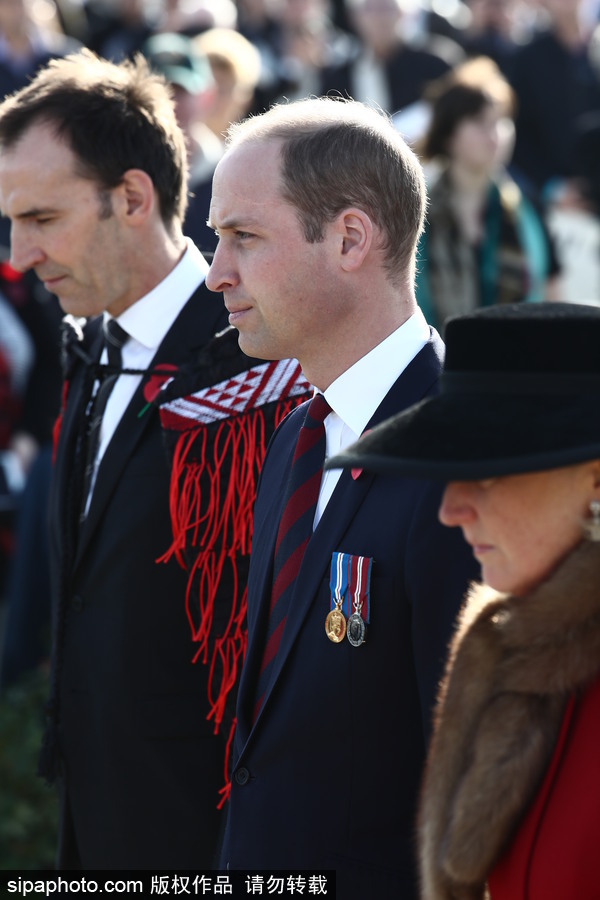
592 526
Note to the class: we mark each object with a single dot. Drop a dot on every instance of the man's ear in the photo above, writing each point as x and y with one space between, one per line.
357 232
135 196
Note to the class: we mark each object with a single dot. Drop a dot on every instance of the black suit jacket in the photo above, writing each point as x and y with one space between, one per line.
408 71
327 777
140 766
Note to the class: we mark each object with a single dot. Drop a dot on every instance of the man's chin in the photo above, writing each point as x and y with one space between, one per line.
73 306
254 348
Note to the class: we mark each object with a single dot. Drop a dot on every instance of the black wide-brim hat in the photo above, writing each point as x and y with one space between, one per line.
520 392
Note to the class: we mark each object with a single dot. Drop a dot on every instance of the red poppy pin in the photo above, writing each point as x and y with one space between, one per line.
356 473
155 383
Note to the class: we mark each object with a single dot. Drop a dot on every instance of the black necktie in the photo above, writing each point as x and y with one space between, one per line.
115 338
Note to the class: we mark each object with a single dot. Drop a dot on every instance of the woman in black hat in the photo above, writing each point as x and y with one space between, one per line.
511 795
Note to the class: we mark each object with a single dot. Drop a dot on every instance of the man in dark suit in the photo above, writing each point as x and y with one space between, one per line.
390 64
92 176
316 259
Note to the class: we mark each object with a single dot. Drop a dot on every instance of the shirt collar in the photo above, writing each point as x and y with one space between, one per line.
357 392
150 318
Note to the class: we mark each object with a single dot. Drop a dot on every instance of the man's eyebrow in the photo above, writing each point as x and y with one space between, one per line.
232 224
34 213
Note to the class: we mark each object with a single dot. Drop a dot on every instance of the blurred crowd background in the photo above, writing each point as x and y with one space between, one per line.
501 100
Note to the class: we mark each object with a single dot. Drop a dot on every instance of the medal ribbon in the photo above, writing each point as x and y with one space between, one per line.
350 582
338 580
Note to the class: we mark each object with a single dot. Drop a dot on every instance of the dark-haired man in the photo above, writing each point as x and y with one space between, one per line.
93 178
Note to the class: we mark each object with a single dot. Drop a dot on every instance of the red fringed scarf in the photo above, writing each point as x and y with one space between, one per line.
217 437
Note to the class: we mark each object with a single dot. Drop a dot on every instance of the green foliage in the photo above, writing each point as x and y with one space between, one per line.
28 807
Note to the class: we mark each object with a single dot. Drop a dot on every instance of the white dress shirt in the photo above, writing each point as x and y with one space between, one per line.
147 322
358 391
370 83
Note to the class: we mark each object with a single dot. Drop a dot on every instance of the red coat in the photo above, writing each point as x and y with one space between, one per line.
555 854
504 727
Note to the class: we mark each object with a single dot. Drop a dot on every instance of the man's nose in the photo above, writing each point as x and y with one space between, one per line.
24 253
221 274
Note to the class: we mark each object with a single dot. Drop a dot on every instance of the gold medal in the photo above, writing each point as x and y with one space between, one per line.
335 625
349 581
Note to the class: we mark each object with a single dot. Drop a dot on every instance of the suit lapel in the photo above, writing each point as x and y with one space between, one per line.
190 332
418 379
70 434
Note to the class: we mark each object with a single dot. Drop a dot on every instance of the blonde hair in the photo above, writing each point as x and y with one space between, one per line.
460 94
228 48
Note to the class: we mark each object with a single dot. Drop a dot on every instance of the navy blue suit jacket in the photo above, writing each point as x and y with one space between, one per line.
327 777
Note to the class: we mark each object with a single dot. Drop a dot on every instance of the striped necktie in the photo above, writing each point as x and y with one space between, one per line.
295 529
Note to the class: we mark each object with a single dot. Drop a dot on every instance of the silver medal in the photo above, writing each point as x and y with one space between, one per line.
356 630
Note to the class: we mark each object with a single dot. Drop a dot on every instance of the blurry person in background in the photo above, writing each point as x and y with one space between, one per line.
485 242
309 45
119 28
213 77
495 28
30 345
194 88
30 383
388 67
556 79
30 35
26 450
192 18
28 40
298 42
16 358
256 21
235 64
427 18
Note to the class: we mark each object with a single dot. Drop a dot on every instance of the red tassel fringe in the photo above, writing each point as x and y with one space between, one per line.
213 533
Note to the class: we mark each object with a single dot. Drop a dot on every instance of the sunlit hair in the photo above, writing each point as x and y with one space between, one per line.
113 118
338 154
463 93
227 49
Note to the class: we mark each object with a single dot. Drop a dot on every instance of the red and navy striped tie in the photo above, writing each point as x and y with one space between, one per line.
295 529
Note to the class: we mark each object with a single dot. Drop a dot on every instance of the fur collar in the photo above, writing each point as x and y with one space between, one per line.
512 664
